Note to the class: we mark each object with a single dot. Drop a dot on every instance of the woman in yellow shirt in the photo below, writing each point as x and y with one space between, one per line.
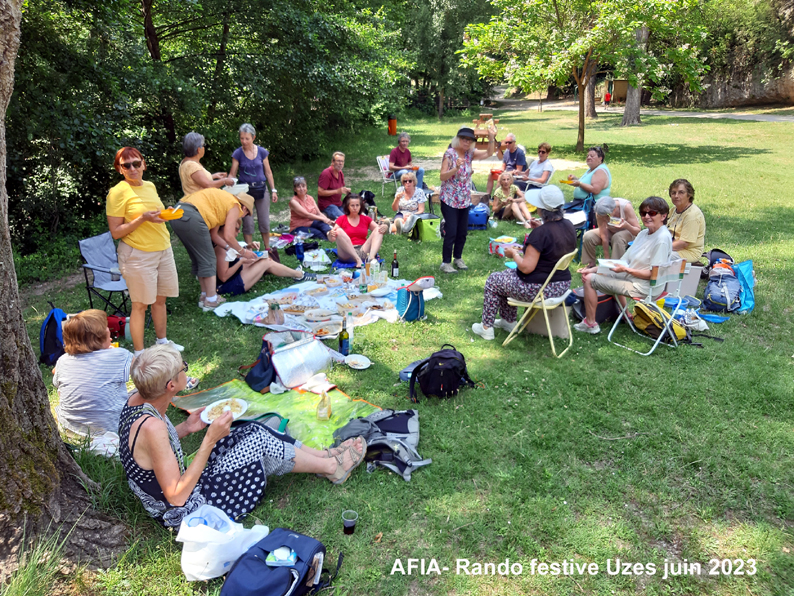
146 259
194 176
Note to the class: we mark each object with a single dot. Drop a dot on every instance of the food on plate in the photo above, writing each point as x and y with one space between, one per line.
236 407
332 282
614 221
317 291
505 240
285 299
296 309
171 213
565 181
356 363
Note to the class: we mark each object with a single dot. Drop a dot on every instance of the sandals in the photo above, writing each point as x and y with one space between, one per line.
341 474
334 451
192 383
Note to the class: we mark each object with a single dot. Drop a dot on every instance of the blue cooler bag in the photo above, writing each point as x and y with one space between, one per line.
478 217
410 305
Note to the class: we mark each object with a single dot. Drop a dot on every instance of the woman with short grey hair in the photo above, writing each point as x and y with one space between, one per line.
251 161
194 176
616 228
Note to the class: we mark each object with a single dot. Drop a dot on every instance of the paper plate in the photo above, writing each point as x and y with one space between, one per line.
381 292
318 315
511 264
170 214
566 181
358 361
505 240
236 189
205 415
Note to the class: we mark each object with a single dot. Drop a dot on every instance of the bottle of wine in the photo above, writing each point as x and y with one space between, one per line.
344 339
324 407
395 266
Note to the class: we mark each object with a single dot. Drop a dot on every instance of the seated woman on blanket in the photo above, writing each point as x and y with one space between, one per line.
508 201
350 234
304 214
238 276
653 246
546 245
409 201
230 468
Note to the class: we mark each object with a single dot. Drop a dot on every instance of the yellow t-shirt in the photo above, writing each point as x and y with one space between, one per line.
186 169
130 202
213 204
689 226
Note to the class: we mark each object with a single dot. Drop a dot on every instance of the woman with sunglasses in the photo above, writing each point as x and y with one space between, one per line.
206 212
229 470
539 173
455 195
146 259
596 181
254 170
409 201
194 176
652 246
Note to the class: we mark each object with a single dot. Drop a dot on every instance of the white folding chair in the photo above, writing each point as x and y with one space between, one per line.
539 304
671 275
383 167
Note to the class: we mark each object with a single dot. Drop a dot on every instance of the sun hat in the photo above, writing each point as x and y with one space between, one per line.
466 133
246 201
549 198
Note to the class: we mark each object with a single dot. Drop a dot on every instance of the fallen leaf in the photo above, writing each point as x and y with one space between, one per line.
378 536
786 550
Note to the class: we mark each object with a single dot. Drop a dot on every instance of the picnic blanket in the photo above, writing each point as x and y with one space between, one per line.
299 407
247 311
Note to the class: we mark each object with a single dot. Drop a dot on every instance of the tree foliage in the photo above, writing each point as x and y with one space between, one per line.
534 43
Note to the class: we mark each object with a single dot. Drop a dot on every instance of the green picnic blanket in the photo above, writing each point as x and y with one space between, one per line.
300 408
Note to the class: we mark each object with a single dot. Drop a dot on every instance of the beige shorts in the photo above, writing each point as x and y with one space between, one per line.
615 284
148 274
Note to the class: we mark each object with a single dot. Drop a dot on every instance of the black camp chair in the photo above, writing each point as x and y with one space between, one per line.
99 254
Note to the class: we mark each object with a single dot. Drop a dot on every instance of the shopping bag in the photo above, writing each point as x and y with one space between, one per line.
212 542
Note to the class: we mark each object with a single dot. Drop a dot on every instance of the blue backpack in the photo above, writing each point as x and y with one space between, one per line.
252 576
51 336
261 373
478 217
723 293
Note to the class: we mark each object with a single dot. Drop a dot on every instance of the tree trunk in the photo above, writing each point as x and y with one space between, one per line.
153 43
440 103
218 69
589 93
631 114
40 483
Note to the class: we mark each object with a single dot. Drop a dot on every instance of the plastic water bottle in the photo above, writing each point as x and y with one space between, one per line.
299 248
349 320
492 222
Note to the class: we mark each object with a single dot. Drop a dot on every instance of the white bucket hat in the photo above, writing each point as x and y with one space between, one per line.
549 198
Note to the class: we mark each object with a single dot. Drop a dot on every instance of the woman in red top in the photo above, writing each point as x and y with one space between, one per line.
350 234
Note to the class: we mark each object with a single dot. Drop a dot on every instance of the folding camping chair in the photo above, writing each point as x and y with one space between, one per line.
670 275
387 176
539 304
99 254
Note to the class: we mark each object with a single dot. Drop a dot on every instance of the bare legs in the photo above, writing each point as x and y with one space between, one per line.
347 252
138 321
254 272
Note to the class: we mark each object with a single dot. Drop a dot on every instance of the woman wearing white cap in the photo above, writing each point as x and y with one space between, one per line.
548 242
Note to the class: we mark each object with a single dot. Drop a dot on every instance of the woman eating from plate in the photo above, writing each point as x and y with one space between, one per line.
350 234
194 176
596 181
231 466
546 245
253 165
653 246
305 215
146 259
508 201
409 201
617 227
239 275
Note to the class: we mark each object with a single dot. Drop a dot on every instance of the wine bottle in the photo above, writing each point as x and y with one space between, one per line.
395 266
344 339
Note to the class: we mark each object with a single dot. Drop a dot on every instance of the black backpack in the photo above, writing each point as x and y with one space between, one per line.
252 576
441 375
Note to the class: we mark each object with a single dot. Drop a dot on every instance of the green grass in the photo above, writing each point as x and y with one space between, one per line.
521 467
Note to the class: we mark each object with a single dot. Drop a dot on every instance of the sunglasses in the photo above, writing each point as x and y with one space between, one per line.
542 151
183 369
131 164
650 213
408 181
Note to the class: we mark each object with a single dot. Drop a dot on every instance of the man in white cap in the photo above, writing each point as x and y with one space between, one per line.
617 226
553 238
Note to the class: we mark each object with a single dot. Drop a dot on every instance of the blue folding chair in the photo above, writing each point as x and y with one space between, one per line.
586 205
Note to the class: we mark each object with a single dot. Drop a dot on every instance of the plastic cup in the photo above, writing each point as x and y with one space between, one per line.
349 519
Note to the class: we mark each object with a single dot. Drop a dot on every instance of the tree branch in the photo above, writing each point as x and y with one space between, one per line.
183 31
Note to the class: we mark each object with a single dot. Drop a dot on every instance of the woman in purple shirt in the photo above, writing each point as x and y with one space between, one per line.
254 170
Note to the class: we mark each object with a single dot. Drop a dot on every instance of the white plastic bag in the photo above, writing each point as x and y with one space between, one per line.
213 542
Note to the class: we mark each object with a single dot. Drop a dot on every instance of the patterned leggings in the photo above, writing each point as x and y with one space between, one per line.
506 284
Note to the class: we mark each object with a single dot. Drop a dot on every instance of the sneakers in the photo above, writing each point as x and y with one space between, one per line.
447 268
502 324
174 345
307 277
201 300
398 226
484 333
408 223
192 383
460 264
208 306
585 327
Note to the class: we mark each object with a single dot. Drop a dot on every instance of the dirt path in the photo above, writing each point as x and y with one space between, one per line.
67 282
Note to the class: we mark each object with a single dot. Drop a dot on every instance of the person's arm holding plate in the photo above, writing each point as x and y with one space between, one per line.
119 229
527 262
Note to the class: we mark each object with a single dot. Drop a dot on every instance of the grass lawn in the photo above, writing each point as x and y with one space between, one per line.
601 455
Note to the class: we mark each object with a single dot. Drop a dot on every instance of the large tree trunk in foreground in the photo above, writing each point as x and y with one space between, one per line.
589 92
631 114
40 483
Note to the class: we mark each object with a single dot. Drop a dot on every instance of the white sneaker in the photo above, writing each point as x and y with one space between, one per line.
408 223
460 264
447 268
502 324
174 345
585 328
484 333
208 306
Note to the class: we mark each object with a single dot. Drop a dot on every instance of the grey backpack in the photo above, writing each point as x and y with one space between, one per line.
392 438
